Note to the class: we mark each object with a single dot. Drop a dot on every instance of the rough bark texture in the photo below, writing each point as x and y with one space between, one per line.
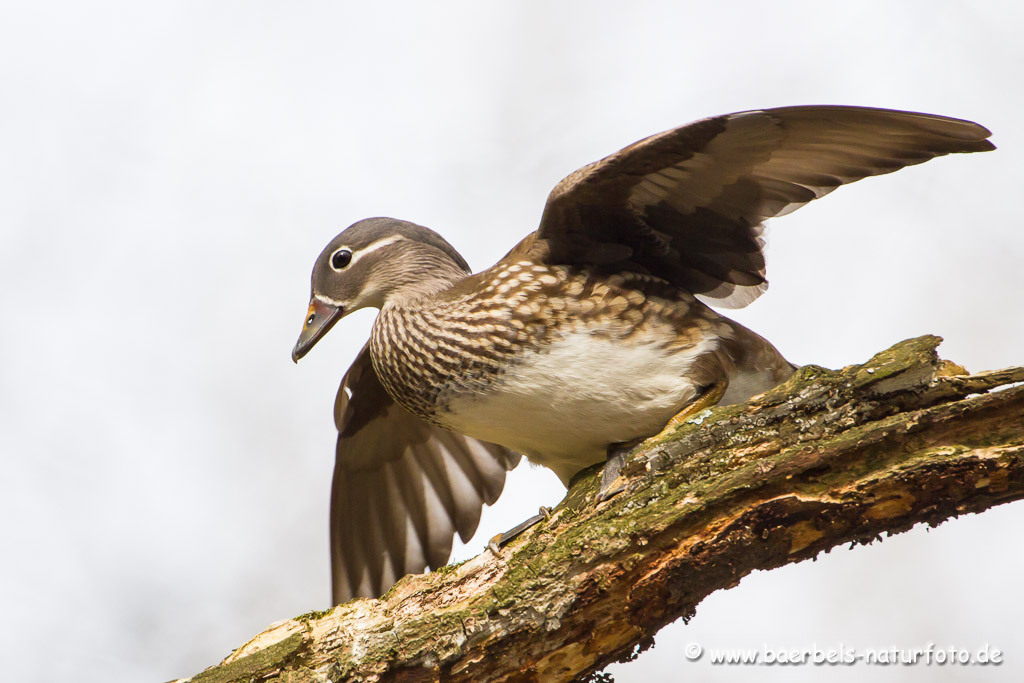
829 457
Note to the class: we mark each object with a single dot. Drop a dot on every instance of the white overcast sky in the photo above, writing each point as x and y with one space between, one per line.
169 171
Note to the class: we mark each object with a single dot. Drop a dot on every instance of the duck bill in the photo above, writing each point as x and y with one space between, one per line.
319 320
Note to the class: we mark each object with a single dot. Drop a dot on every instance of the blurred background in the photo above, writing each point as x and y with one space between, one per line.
169 171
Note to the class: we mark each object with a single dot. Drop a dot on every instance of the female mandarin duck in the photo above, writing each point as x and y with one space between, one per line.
593 332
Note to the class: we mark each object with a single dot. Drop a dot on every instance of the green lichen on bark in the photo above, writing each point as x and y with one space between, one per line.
828 457
273 657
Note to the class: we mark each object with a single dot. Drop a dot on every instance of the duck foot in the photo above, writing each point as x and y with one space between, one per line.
498 542
612 483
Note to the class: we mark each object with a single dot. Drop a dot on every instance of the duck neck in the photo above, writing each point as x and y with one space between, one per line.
419 274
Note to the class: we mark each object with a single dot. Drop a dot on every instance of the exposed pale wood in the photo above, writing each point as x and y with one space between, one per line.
828 458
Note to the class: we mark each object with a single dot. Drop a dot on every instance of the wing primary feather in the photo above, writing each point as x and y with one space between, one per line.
402 488
686 205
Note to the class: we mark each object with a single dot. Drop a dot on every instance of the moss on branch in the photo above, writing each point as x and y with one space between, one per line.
827 458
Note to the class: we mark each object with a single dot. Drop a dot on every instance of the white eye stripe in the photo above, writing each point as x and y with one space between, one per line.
329 301
372 246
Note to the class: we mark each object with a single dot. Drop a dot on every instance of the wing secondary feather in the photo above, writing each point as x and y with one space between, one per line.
687 205
402 488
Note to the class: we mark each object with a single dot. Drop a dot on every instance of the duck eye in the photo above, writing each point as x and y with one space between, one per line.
340 259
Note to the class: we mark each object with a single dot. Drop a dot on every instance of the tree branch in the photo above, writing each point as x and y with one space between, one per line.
829 457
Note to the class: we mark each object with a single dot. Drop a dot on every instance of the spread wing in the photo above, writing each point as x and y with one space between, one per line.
402 488
687 204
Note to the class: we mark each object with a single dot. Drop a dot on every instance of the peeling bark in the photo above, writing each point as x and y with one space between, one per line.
828 458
